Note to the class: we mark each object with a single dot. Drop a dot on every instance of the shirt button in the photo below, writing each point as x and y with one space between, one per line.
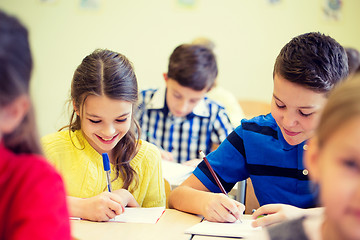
305 172
305 147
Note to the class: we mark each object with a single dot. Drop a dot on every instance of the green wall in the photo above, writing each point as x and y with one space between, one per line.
248 35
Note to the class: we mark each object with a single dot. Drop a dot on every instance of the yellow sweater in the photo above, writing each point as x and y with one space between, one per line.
82 168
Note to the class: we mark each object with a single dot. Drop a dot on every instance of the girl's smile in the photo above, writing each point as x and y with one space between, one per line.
105 122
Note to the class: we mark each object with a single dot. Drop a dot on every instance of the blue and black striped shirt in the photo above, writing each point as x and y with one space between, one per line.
208 124
257 149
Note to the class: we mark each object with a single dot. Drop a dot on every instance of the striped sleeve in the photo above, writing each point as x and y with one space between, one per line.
222 126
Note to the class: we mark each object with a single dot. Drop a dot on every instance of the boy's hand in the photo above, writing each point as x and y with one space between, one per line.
221 208
167 156
275 213
192 163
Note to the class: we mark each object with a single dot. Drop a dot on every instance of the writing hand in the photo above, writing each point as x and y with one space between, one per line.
101 207
221 208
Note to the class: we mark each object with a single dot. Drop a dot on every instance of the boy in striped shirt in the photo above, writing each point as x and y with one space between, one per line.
180 119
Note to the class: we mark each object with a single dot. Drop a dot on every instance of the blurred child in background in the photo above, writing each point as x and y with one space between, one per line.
32 202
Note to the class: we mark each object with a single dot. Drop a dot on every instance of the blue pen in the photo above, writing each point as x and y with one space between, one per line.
106 163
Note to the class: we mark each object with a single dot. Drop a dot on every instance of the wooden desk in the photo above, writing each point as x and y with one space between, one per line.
171 225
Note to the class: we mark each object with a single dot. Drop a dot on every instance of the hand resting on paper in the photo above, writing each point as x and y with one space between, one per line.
276 213
167 156
102 207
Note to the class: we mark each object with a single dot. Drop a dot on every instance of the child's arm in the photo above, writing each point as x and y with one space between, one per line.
192 196
101 207
165 155
280 212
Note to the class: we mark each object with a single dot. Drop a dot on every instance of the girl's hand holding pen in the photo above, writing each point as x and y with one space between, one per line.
107 205
220 208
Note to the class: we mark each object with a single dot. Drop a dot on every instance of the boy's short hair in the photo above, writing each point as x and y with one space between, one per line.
313 60
193 66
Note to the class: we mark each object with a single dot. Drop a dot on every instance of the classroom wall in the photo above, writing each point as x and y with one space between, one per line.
248 35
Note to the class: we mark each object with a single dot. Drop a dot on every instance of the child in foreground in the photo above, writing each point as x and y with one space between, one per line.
269 149
333 161
103 94
32 202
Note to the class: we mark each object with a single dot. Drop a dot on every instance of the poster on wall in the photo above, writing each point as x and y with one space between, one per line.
332 9
187 3
90 4
273 1
48 1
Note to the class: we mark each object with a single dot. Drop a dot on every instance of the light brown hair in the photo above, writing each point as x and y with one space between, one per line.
343 104
110 74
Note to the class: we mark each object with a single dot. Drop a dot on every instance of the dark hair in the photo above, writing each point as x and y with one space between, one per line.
111 74
15 73
353 59
313 60
193 66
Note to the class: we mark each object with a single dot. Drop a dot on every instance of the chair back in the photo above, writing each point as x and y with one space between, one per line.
253 108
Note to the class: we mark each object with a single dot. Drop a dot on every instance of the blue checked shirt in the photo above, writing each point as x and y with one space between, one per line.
208 124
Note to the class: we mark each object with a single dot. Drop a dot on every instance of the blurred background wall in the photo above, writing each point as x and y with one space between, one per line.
248 35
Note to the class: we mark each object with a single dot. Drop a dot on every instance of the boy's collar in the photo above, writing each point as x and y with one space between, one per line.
158 102
284 144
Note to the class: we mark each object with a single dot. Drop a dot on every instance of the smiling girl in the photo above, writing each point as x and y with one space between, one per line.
103 94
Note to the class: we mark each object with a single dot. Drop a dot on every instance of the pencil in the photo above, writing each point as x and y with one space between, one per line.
213 173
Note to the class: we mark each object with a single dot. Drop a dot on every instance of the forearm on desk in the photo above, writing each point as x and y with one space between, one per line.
75 206
187 199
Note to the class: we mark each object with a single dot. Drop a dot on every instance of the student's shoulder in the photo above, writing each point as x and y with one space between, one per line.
56 137
40 165
60 141
210 102
263 124
149 92
147 154
261 120
40 169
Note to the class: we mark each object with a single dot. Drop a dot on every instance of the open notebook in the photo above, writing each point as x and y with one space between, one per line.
139 215
176 173
236 229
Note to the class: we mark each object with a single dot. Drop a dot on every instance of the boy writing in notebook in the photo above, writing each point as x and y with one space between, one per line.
333 161
269 149
180 119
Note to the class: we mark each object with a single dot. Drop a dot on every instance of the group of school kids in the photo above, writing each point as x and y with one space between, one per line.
139 129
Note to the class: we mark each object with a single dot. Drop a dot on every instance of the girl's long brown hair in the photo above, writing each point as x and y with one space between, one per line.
15 73
110 74
343 104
